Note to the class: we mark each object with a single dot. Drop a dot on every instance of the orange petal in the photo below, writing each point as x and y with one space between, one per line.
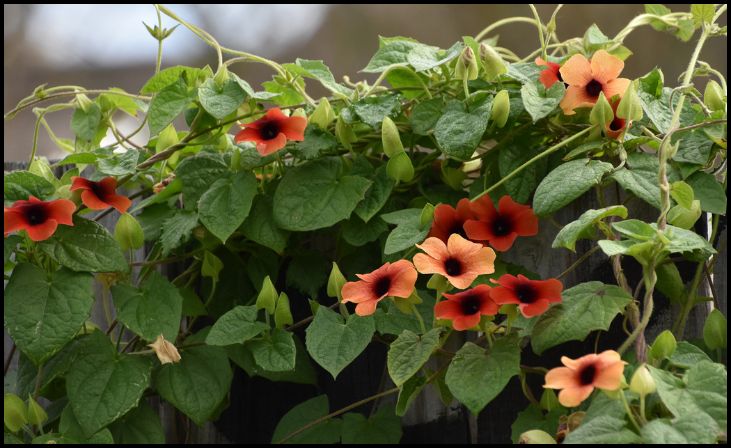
576 71
462 248
462 323
549 289
366 308
560 378
358 292
121 203
609 356
13 220
403 279
462 281
477 230
575 97
447 309
79 183
294 128
615 87
526 223
43 231
271 146
605 67
484 209
428 265
464 209
249 134
480 262
573 396
534 309
435 248
610 376
504 242
502 295
91 200
62 211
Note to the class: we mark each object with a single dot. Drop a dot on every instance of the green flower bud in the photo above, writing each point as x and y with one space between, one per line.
84 102
714 330
630 107
335 282
15 413
414 298
344 132
400 168
36 414
427 215
323 114
402 305
642 382
466 67
602 113
167 138
664 345
536 436
391 139
212 266
682 217
714 97
64 192
453 177
437 283
128 232
549 400
682 193
282 313
500 108
267 297
492 62
613 394
41 167
299 112
221 76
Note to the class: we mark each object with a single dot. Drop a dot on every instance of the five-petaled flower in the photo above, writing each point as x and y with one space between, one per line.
500 227
390 280
551 74
271 132
448 220
532 296
580 376
39 218
100 195
587 79
465 308
460 260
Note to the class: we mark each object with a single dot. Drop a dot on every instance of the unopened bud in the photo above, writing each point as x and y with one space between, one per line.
549 400
84 102
715 330
128 232
323 114
282 313
438 283
536 436
713 96
15 413
390 138
500 108
267 297
685 218
602 113
165 350
335 282
427 216
642 382
492 61
664 345
400 168
221 76
466 65
630 107
344 132
36 414
299 112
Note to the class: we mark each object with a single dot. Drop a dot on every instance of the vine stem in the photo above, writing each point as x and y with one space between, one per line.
506 21
545 153
539 25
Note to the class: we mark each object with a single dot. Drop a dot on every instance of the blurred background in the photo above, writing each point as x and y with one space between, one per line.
100 46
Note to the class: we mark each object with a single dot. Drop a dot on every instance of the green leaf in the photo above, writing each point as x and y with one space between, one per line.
87 246
333 343
533 418
584 308
376 195
595 39
220 102
198 383
459 133
303 372
539 101
585 226
317 143
359 233
477 376
392 52
327 431
395 322
525 72
317 195
86 123
702 13
670 283
373 109
276 353
709 191
103 385
236 326
308 272
224 206
682 193
260 227
408 353
176 230
635 229
701 391
44 311
168 76
112 101
513 155
425 115
688 429
686 355
715 330
408 393
319 71
383 427
70 428
198 173
152 310
141 425
119 164
603 429
566 183
682 240
656 102
407 233
167 105
694 147
640 178
20 185
11 243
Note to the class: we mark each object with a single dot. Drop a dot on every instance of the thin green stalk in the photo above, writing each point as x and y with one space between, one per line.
503 22
629 411
158 63
418 317
539 25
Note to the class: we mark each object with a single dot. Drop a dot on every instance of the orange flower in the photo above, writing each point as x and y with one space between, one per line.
270 133
448 220
39 218
532 296
459 260
551 74
500 227
465 308
617 126
587 79
100 195
392 279
580 376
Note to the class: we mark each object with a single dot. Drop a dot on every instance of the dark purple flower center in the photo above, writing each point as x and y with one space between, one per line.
453 267
558 75
98 190
269 130
593 88
35 214
502 225
381 286
458 228
470 305
587 374
526 293
616 124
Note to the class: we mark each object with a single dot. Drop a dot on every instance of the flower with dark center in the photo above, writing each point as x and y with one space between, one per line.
500 227
580 376
465 308
460 260
449 220
532 296
587 79
271 132
390 280
618 126
39 218
551 74
100 195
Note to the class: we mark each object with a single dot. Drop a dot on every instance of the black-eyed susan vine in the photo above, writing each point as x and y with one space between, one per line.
311 228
